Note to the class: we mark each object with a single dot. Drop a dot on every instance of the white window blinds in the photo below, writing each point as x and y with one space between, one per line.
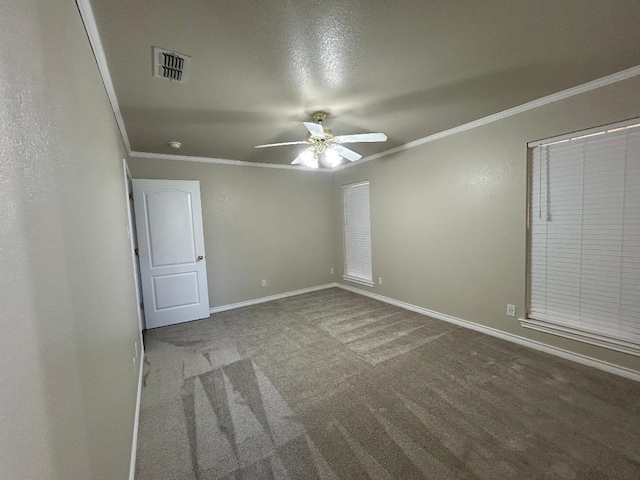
585 238
357 233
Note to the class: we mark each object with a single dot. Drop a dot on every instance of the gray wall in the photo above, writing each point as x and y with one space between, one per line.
258 223
448 234
449 218
67 307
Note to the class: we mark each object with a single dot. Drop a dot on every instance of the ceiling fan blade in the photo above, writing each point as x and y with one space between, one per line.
346 153
315 129
280 144
362 137
299 158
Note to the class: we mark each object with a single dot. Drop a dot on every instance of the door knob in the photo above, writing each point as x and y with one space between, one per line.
200 257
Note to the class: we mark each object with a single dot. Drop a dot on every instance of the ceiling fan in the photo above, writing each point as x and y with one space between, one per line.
322 141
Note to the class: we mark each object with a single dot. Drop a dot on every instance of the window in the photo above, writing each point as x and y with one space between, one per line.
357 233
584 243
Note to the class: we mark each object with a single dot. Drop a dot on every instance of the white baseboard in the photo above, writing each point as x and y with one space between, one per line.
255 301
559 352
136 421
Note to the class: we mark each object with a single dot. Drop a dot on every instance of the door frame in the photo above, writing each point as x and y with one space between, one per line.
133 240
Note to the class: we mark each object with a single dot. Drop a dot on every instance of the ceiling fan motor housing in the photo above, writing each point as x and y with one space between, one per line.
320 116
320 144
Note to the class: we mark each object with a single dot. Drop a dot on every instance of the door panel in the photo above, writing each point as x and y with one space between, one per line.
177 290
171 247
170 220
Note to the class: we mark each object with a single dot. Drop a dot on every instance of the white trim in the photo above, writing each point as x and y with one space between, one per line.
555 97
86 13
632 122
558 352
224 161
361 281
586 337
356 184
255 301
136 420
132 243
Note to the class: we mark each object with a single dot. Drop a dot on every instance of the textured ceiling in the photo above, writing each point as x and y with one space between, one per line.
407 68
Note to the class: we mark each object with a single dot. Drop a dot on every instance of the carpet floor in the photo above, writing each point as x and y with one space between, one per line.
334 385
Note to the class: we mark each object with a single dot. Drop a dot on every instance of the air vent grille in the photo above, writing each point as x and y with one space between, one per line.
170 65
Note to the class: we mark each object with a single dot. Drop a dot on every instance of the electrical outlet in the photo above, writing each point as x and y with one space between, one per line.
135 349
331 271
264 282
511 310
379 280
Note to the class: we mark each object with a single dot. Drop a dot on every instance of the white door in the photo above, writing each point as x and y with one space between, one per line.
173 267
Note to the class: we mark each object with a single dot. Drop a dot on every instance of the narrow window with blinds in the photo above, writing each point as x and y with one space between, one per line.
357 234
584 244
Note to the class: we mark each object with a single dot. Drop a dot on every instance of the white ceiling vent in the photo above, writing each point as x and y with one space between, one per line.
170 65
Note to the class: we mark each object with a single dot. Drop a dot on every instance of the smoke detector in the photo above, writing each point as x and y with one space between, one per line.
175 145
170 65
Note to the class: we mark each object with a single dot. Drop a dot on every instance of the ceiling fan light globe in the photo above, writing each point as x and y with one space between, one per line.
334 163
333 157
309 159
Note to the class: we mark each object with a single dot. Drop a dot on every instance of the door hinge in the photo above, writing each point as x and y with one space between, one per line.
131 195
141 306
137 252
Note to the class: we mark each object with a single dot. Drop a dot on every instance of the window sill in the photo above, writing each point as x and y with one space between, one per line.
361 281
581 336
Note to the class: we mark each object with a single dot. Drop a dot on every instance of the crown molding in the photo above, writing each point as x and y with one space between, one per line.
86 13
224 161
555 97
90 26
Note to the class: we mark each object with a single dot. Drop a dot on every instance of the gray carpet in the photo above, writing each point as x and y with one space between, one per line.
333 385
